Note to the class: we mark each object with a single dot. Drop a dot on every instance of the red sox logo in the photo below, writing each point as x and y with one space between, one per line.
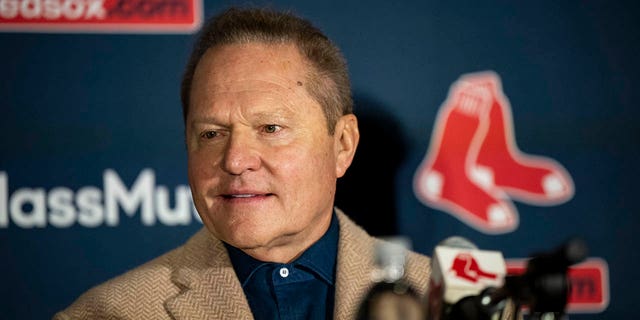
465 266
473 168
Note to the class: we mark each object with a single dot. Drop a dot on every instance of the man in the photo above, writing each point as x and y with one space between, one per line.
269 130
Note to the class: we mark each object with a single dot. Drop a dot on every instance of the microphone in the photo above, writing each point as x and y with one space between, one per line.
391 297
463 280
544 287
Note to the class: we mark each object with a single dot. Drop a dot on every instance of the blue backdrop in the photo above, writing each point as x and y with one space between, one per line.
92 118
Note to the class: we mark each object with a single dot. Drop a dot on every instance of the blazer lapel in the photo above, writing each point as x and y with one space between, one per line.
209 286
356 263
354 266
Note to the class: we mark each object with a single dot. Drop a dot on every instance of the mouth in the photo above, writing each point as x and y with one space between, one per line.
241 196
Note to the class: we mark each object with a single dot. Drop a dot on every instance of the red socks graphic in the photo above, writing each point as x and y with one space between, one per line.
530 179
474 165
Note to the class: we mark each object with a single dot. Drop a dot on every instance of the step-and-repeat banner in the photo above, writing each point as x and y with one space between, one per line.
512 125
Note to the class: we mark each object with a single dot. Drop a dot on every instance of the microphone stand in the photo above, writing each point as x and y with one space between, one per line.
543 287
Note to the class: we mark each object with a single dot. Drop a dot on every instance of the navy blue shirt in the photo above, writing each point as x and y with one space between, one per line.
302 289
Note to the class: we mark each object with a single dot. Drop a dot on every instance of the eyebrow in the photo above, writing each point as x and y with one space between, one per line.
277 114
203 120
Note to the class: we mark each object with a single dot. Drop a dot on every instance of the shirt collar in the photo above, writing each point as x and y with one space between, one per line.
319 258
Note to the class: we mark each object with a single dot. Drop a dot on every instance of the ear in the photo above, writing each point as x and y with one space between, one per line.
347 136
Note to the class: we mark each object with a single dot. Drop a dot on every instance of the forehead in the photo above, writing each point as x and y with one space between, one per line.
228 65
248 79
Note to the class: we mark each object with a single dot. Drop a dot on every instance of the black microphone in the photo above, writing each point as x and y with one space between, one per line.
544 286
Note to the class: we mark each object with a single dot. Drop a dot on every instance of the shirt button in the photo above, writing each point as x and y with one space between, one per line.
284 272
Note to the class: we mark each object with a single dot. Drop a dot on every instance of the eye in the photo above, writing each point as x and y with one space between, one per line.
209 134
271 128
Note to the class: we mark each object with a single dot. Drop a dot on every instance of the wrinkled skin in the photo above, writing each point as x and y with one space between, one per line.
262 164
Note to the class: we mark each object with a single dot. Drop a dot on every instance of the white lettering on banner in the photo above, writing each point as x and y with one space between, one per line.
116 193
179 215
62 211
91 212
91 207
53 9
30 218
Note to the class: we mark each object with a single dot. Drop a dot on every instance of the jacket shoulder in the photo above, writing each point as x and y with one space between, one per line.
138 293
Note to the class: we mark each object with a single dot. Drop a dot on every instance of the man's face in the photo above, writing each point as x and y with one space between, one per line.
262 165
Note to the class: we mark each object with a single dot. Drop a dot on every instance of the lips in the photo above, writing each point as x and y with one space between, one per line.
245 195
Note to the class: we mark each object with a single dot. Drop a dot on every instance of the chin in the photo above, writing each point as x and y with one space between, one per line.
248 244
251 238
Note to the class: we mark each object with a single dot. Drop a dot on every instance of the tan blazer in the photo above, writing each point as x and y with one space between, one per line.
197 281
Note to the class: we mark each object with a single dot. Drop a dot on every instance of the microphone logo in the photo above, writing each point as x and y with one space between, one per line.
466 267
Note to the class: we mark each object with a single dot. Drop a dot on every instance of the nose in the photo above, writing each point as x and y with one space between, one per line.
241 154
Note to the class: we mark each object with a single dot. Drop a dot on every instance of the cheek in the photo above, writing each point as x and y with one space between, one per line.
200 169
306 167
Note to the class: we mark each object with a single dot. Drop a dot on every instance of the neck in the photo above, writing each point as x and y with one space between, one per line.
289 247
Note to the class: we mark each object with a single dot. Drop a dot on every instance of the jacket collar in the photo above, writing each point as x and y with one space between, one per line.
210 289
356 254
354 266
